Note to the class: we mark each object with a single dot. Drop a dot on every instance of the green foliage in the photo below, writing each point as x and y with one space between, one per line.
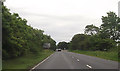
80 41
101 44
91 30
101 38
110 55
85 42
25 62
19 38
62 45
48 39
109 28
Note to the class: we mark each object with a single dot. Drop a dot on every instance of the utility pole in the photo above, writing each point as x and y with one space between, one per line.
119 8
119 23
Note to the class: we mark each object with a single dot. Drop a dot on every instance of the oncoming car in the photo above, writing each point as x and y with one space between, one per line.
58 49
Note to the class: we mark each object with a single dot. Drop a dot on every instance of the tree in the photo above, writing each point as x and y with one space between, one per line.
91 30
19 38
109 26
62 45
95 38
101 44
80 42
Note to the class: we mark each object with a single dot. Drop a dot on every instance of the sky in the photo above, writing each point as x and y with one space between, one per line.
62 19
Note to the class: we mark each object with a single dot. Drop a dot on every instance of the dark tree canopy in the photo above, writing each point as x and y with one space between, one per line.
110 26
19 38
91 30
105 37
62 45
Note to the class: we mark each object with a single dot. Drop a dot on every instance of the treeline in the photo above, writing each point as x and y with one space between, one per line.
102 38
18 38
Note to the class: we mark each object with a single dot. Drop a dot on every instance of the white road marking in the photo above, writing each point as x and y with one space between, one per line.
78 60
41 62
89 66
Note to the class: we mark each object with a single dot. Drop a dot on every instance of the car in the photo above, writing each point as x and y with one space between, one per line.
58 49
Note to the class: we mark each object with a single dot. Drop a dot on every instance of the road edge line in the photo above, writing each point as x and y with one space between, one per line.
78 60
41 62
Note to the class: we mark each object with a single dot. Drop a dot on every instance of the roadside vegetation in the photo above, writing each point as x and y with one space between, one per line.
102 54
102 41
22 45
19 38
27 61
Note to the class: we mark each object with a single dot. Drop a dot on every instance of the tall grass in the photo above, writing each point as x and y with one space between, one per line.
26 62
109 55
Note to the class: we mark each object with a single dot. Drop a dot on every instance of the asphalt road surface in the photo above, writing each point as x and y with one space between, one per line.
69 60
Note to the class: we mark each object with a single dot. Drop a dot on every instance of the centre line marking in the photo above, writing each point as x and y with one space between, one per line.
89 66
78 60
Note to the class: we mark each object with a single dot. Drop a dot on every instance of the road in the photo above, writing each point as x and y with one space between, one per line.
69 60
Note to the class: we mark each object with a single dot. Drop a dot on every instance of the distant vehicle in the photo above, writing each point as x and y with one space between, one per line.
58 49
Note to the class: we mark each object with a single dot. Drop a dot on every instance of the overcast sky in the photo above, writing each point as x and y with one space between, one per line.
62 19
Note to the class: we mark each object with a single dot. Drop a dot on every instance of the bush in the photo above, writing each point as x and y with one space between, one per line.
85 42
105 44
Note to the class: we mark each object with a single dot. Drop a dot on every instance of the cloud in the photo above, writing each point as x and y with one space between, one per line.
62 19
61 28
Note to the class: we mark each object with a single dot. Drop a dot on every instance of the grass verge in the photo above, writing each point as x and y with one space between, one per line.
26 62
109 55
